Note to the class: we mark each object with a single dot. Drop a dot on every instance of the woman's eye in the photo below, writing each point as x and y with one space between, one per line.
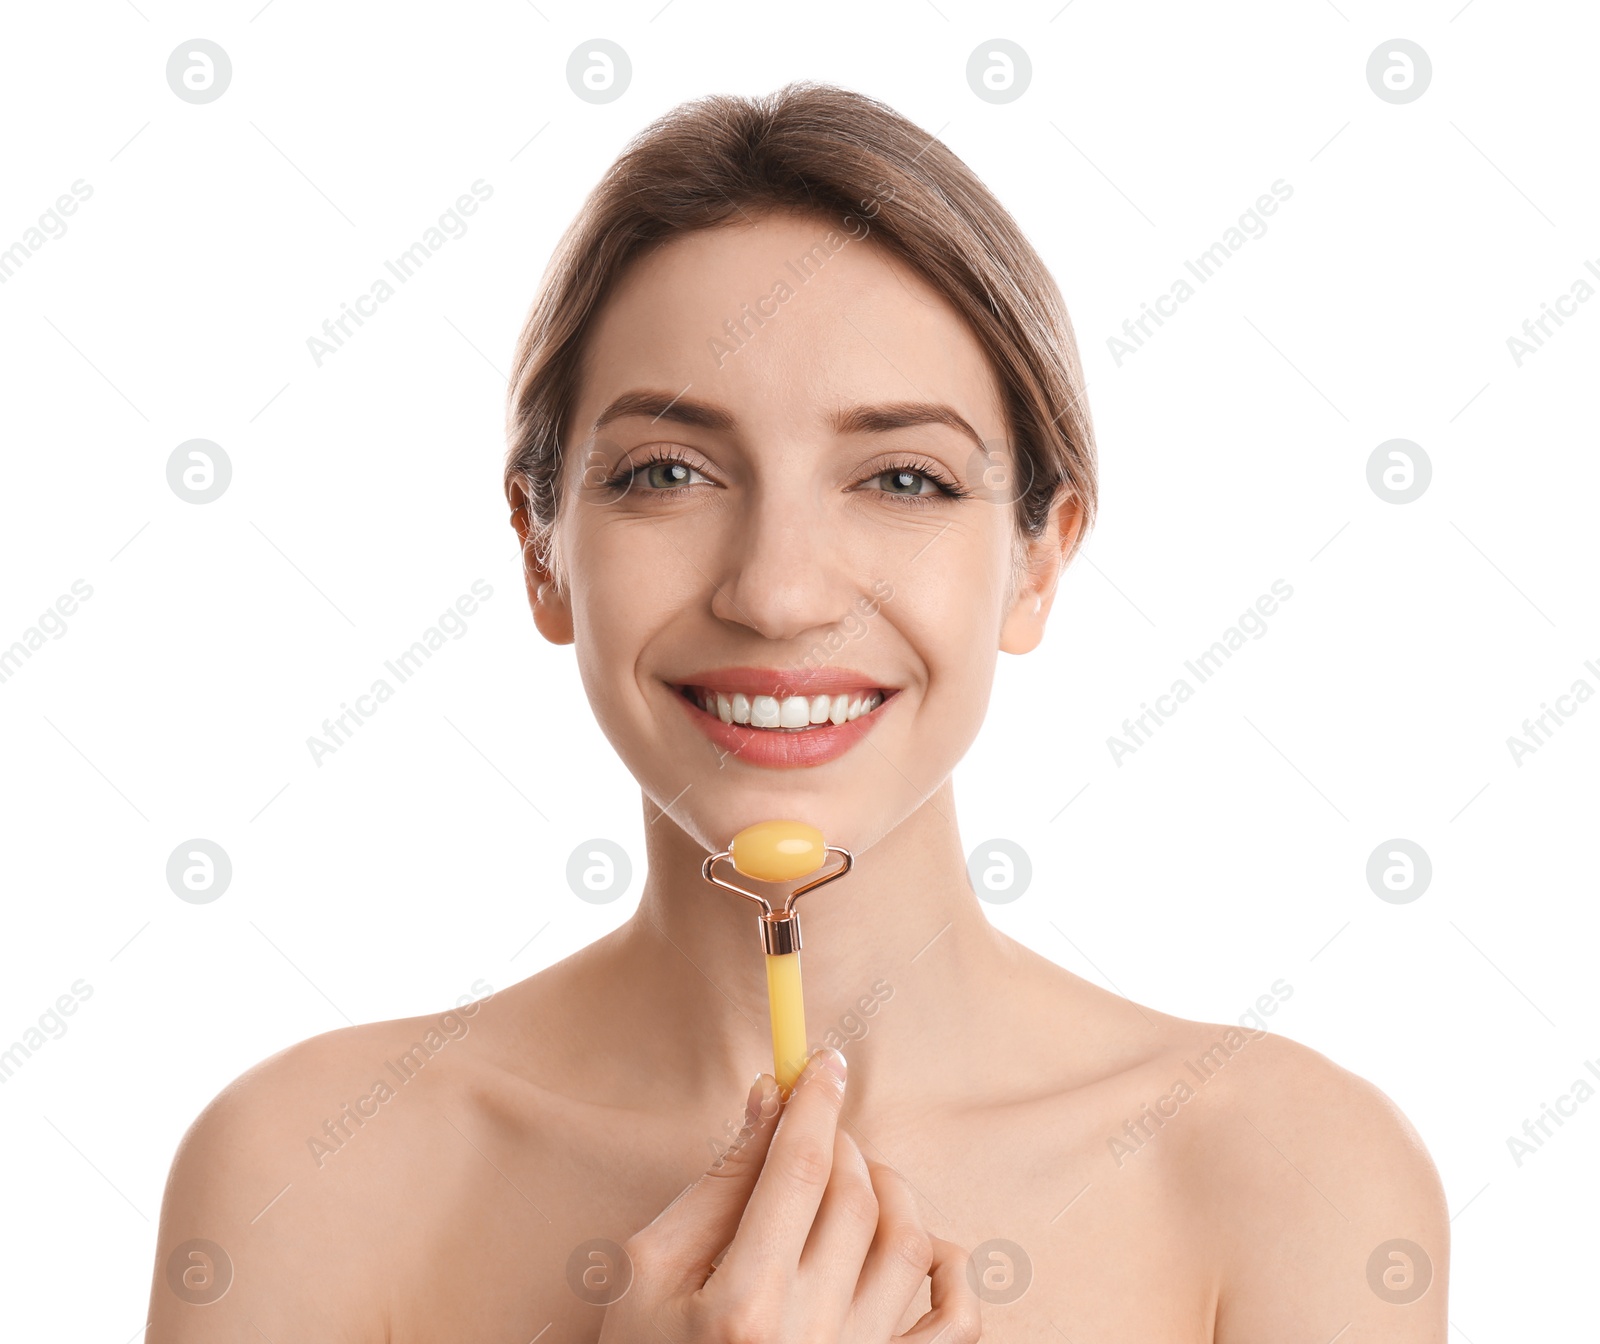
668 474
656 475
905 481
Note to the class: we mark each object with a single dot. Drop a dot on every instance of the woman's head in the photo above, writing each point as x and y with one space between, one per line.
796 394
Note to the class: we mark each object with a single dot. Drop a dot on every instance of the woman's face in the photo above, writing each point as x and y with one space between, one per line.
794 537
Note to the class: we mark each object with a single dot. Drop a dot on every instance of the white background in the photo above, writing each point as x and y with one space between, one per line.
1228 853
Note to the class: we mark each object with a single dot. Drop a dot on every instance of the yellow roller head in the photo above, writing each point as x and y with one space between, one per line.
777 851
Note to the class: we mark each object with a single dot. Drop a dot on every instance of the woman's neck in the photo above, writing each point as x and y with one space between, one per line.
900 965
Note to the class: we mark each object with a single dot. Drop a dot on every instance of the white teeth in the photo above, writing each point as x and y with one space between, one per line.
794 713
863 704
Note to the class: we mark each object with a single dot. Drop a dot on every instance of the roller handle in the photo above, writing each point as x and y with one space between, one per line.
781 851
788 1019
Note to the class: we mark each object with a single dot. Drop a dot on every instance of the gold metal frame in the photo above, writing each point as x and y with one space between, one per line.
780 929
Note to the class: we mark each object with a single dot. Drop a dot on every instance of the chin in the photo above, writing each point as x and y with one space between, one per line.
845 818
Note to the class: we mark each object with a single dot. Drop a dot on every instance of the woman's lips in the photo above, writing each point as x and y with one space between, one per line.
782 749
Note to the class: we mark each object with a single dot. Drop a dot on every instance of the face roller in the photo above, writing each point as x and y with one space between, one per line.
780 851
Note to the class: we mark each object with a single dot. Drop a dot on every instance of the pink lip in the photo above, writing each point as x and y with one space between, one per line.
780 750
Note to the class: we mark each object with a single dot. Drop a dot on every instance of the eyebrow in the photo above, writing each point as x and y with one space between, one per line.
878 419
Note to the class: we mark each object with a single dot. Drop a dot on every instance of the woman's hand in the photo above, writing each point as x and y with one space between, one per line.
820 1244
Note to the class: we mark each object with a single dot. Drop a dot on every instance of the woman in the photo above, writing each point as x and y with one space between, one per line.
797 443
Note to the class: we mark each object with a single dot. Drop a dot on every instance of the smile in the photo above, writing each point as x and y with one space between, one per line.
791 714
759 716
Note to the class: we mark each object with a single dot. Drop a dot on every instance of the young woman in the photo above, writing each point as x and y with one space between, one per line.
798 445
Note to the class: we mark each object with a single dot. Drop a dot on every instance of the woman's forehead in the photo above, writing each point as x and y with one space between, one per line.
783 317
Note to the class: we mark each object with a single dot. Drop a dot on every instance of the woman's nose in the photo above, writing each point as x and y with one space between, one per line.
780 569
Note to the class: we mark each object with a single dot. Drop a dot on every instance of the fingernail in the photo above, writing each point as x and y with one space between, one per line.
755 1102
833 1061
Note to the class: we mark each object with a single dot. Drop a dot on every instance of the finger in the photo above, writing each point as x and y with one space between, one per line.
781 1208
899 1259
695 1227
955 1316
830 1265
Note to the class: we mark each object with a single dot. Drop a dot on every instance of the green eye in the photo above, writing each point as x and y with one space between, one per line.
668 475
906 480
660 474
902 480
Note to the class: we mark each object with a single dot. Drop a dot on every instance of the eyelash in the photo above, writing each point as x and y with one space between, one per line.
946 488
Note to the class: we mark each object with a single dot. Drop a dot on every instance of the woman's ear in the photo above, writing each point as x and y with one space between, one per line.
1046 558
551 611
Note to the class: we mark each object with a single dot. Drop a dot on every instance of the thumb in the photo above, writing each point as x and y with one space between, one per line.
700 1223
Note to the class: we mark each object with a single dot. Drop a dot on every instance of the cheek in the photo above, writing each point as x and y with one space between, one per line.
628 586
604 622
626 579
948 605
950 619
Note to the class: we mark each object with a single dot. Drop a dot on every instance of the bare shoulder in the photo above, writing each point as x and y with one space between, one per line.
283 1203
1324 1206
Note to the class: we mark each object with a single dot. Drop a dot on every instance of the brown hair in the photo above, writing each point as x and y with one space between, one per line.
810 148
